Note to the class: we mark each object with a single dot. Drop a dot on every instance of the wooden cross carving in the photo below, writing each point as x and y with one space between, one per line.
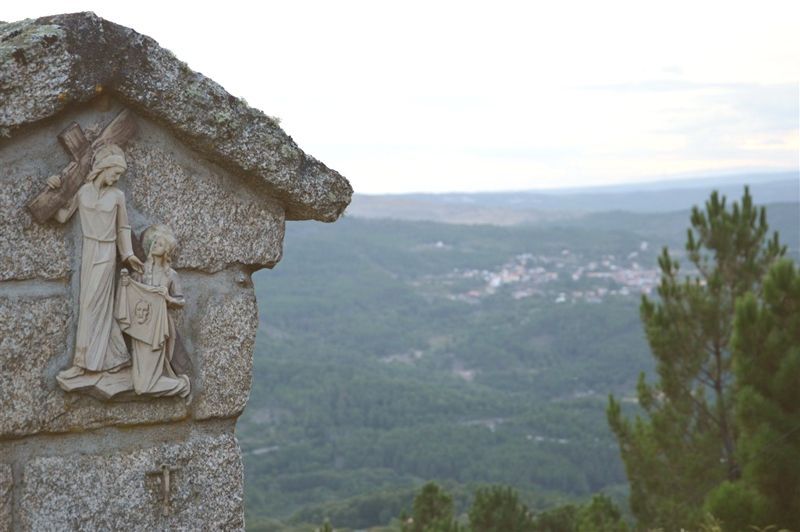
48 201
164 473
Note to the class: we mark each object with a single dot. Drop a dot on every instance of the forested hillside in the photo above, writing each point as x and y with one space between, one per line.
394 352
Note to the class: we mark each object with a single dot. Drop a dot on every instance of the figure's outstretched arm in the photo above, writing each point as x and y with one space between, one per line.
124 244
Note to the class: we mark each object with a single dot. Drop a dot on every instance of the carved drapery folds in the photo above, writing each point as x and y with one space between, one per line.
105 363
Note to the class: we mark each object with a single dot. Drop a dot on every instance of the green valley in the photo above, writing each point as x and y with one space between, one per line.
395 352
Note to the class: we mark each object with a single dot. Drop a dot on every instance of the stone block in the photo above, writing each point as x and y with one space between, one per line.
33 332
6 485
224 177
28 250
51 63
218 329
218 220
34 336
122 491
225 336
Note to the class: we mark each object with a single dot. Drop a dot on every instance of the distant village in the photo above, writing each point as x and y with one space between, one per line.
564 278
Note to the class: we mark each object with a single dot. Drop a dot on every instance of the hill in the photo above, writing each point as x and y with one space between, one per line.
533 207
392 352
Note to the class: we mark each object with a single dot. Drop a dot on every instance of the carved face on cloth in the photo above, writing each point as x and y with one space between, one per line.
142 311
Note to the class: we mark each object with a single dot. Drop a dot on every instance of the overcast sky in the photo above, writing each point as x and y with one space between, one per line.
440 96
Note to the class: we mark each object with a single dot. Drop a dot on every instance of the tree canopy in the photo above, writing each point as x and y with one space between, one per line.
684 445
766 348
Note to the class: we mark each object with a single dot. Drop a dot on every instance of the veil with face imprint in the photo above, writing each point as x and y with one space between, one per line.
142 313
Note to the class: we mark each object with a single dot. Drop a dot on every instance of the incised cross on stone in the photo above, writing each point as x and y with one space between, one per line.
48 201
164 473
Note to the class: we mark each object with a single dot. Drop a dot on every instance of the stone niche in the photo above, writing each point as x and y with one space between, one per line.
224 178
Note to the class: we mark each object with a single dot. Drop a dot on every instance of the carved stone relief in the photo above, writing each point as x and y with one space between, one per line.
125 335
223 178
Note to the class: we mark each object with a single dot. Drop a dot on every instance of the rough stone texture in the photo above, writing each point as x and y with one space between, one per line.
225 335
37 251
27 249
33 332
6 484
30 250
224 177
217 327
114 491
51 63
219 219
216 224
34 344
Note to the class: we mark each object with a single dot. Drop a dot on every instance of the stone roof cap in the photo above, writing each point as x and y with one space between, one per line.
53 62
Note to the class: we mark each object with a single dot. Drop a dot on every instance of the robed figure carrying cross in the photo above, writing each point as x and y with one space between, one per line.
99 345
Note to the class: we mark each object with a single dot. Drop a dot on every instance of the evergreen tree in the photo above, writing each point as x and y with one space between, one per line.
685 444
766 350
326 527
560 519
498 509
432 510
600 515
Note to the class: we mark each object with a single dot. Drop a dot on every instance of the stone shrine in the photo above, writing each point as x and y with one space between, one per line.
137 198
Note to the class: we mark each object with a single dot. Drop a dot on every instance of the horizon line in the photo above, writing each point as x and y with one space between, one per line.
682 178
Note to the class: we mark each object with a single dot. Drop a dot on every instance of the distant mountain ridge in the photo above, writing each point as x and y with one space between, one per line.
526 207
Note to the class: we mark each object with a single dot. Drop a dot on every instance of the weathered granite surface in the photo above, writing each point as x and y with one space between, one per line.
218 329
28 250
54 62
219 219
6 483
34 334
114 491
225 335
225 177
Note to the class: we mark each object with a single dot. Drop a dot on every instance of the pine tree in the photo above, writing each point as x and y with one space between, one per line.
685 444
433 510
559 519
600 515
498 509
766 348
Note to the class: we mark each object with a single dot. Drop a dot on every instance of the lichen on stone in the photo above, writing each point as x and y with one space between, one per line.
54 62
